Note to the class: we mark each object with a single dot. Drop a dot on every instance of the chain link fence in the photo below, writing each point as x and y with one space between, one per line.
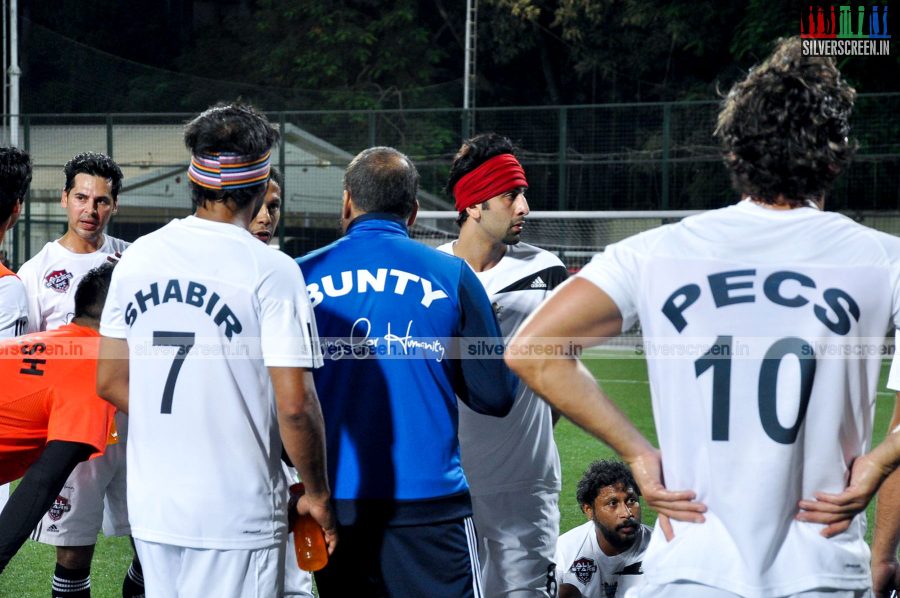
649 156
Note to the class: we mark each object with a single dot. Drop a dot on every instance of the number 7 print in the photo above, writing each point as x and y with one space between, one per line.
184 341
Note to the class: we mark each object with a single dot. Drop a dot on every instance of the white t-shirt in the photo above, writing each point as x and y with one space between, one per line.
581 563
13 305
52 276
782 414
894 376
13 321
515 452
204 449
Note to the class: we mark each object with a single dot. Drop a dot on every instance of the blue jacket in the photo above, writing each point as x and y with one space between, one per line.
391 313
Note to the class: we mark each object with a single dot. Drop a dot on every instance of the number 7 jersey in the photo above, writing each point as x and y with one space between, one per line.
206 308
763 332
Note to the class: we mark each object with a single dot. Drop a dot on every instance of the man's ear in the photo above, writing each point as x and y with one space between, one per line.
115 209
13 218
64 199
346 206
412 217
587 510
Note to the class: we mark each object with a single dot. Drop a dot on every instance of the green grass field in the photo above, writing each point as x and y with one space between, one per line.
624 379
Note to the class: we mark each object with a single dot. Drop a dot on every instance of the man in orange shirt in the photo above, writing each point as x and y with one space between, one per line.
51 418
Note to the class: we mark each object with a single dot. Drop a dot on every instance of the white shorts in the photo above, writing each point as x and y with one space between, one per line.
93 498
297 582
517 533
4 496
693 590
180 572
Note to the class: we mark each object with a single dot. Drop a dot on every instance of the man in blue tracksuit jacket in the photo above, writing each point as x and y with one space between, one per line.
394 316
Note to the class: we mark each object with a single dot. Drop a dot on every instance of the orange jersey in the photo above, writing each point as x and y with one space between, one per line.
4 271
48 384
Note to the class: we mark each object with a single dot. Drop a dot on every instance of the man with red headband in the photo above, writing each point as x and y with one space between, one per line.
511 463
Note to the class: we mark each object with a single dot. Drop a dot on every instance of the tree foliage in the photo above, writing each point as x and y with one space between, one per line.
327 54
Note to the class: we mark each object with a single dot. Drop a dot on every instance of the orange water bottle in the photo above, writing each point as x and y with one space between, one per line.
309 539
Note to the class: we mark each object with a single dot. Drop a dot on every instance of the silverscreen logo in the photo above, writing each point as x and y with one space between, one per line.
845 30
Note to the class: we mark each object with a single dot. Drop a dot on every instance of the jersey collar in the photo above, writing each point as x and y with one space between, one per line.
378 221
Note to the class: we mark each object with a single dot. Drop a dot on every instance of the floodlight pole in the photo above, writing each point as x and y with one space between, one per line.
5 86
14 73
469 68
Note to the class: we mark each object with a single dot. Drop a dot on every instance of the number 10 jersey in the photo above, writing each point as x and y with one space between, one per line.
763 331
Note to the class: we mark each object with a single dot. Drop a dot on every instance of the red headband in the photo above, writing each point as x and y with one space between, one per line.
496 176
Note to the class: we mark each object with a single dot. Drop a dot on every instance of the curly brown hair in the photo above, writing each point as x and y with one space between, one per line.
785 127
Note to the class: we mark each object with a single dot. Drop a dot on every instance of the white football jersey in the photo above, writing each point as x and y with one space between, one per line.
762 332
13 306
206 308
581 563
894 376
52 276
515 452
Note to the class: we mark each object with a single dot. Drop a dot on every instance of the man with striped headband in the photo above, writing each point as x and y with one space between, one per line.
511 463
201 326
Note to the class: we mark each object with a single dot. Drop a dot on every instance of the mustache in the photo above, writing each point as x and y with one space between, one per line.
632 522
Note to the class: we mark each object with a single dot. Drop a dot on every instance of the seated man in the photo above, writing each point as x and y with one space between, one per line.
602 558
51 418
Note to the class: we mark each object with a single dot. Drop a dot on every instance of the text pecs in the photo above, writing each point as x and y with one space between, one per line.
728 288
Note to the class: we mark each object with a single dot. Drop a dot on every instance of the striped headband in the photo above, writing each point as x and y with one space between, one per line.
225 170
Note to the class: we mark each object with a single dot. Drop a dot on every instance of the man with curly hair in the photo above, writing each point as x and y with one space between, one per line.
775 312
602 558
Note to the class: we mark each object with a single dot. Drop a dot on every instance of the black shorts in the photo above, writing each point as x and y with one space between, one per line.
434 559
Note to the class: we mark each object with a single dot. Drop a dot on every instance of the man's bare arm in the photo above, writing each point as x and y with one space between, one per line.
867 474
113 372
581 311
885 566
303 434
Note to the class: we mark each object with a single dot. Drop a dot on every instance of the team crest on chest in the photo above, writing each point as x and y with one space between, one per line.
60 507
584 570
58 280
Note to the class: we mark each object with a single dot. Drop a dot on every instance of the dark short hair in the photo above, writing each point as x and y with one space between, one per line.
784 129
381 179
473 153
275 175
15 178
94 164
234 128
601 474
91 292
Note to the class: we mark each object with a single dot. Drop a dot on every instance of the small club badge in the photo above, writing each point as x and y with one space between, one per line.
584 570
58 280
60 507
